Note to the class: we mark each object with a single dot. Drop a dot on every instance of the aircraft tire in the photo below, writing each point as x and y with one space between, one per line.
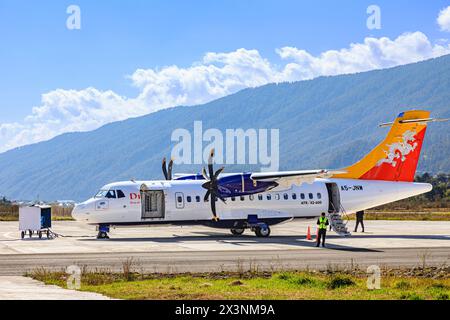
237 232
262 232
102 235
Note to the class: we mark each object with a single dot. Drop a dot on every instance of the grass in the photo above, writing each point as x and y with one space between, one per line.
443 215
16 218
11 213
253 285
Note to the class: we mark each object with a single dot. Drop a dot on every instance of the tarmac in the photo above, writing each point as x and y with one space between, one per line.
200 249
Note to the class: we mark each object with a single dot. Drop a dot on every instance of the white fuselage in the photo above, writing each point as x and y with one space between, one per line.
181 201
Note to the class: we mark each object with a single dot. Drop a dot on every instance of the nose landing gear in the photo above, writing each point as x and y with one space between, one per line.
103 232
102 235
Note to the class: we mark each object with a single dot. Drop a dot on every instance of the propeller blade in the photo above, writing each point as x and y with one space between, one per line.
213 207
169 174
206 195
205 175
216 175
210 164
164 169
210 185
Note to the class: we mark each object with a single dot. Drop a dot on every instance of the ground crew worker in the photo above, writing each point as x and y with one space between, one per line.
359 219
322 222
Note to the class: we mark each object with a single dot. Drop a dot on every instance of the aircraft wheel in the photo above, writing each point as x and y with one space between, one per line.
40 234
22 234
237 232
262 232
102 235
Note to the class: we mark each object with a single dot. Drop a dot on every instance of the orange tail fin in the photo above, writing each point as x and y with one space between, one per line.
396 158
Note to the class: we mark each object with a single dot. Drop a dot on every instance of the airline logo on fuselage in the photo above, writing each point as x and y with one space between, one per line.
135 198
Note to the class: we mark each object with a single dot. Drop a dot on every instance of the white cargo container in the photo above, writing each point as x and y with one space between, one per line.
35 219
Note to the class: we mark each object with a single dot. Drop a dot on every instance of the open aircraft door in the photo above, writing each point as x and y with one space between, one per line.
152 203
334 198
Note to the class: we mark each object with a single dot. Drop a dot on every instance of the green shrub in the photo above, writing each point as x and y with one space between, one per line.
284 276
438 286
410 296
340 281
442 296
402 285
303 281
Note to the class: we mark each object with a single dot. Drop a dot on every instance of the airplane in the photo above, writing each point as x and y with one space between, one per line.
258 200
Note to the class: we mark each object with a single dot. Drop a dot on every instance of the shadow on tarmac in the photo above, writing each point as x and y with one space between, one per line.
238 241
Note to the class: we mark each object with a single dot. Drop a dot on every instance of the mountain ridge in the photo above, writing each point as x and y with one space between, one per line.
326 122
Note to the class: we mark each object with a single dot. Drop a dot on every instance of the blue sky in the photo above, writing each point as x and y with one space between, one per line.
39 54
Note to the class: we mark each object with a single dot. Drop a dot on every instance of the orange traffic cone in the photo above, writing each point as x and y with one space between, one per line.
308 234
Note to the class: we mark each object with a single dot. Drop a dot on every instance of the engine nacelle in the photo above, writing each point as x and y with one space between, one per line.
241 184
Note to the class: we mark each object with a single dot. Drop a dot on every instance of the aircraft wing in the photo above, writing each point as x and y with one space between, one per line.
286 179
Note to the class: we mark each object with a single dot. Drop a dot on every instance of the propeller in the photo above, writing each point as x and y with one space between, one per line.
211 185
167 170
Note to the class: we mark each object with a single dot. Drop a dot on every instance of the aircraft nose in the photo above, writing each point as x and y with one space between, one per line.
79 211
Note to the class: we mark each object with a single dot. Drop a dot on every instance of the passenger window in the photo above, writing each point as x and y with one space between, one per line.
310 195
260 196
302 196
251 197
319 196
179 199
269 197
285 196
197 198
294 196
188 199
120 194
277 196
111 194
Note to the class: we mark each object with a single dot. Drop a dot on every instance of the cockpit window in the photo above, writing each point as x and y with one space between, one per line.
120 194
111 194
101 194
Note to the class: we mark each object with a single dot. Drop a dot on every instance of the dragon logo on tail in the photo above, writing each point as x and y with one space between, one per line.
399 150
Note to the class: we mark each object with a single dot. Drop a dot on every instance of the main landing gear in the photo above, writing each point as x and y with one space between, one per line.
237 232
261 230
103 232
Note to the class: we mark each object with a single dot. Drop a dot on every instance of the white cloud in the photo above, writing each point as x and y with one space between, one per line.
373 53
67 111
216 75
443 19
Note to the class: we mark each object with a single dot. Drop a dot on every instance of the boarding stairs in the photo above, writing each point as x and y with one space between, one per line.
337 223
